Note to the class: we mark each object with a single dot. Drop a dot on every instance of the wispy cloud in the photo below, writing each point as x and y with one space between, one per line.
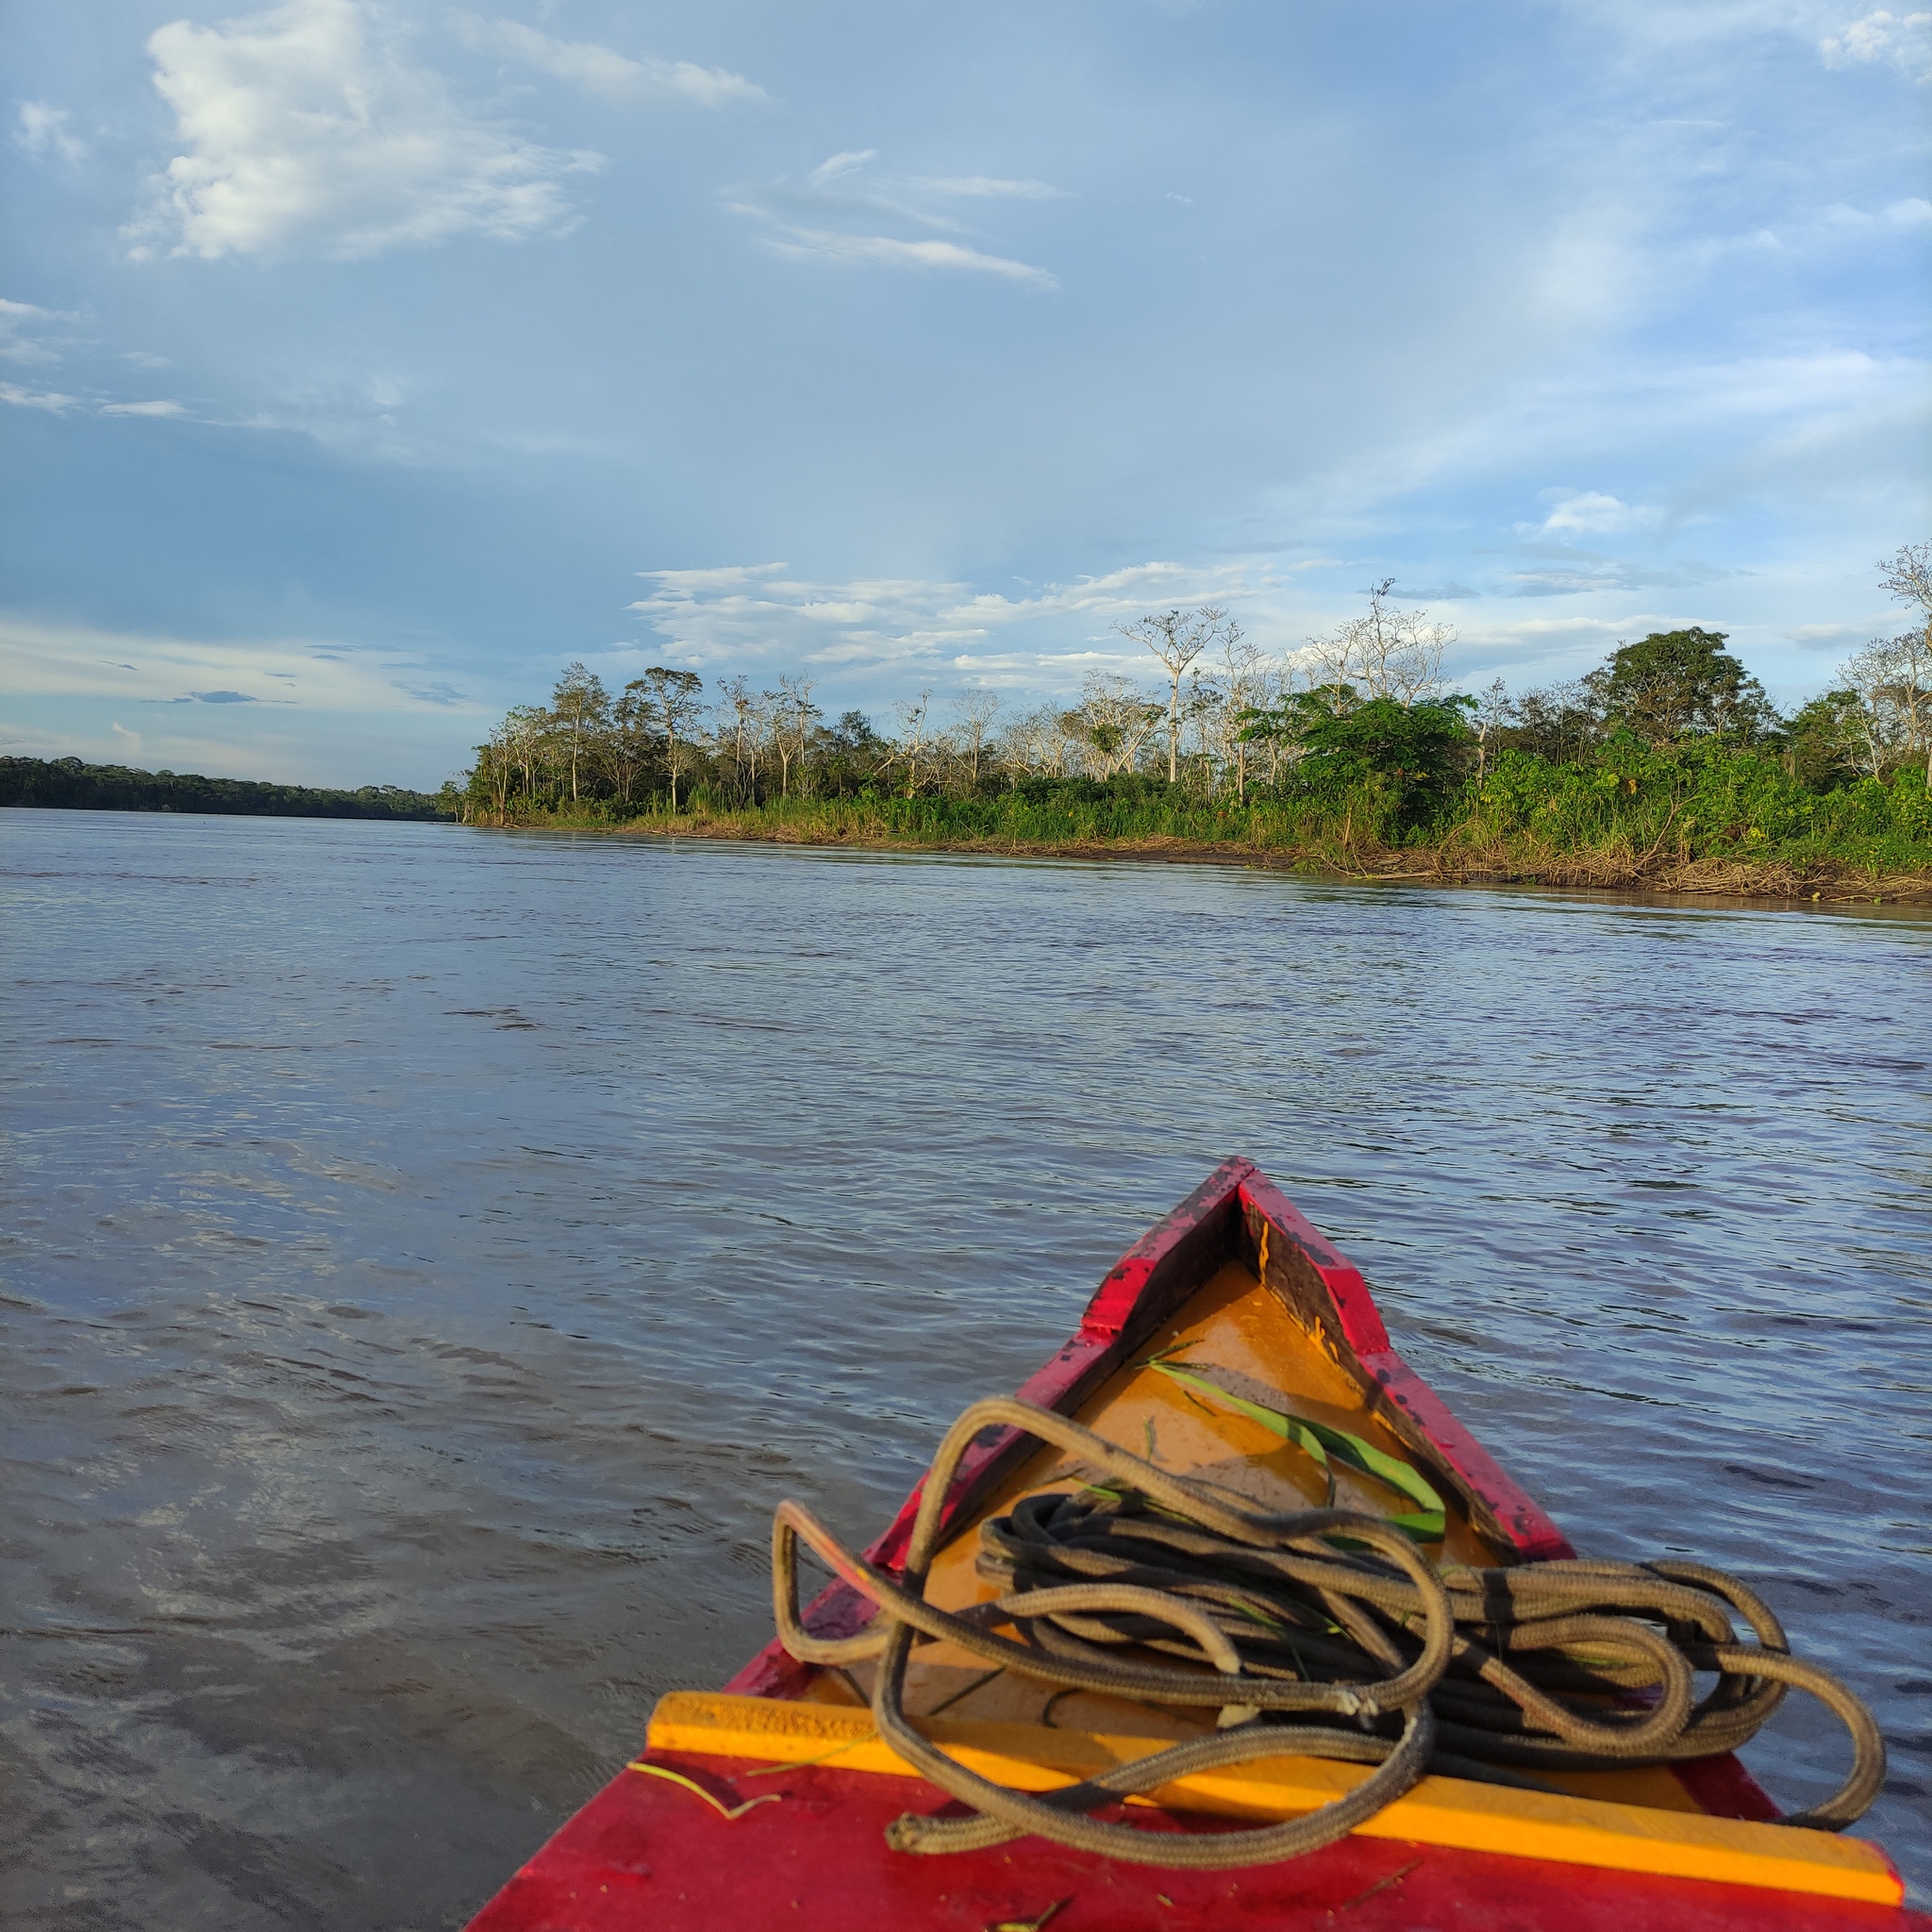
50 400
1590 513
21 323
1046 637
839 209
1450 592
1574 572
1903 41
605 72
834 165
42 129
891 252
307 131
55 403
49 659
994 188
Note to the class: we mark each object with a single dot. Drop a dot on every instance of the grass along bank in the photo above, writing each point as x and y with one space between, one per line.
1656 826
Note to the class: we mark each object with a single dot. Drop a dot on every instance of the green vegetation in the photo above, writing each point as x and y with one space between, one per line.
1672 820
70 784
1666 767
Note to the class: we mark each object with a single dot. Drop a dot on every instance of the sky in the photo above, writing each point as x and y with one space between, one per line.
363 362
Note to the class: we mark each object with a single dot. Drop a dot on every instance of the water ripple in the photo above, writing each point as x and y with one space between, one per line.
430 1254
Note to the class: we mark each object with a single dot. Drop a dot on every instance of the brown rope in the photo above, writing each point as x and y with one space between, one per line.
1334 1616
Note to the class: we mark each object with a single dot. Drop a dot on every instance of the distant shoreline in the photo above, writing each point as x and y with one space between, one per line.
1778 881
73 785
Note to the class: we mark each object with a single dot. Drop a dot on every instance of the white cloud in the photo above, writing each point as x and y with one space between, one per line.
16 318
163 408
40 658
142 360
600 70
43 130
992 188
1903 41
1576 572
891 253
306 132
1589 513
743 613
50 400
835 165
834 216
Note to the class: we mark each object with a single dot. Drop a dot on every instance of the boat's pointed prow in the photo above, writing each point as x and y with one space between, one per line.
1232 1366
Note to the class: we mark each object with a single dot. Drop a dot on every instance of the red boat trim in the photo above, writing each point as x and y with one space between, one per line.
644 1854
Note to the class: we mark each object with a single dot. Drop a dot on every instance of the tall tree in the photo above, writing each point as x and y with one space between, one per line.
524 729
1908 575
1831 739
1558 722
1892 679
581 708
1682 683
1043 743
1491 713
913 716
1114 720
1386 653
497 762
632 737
1204 708
793 716
1242 677
973 711
676 701
1177 638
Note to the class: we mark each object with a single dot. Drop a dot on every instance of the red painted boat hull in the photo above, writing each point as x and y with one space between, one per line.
645 1853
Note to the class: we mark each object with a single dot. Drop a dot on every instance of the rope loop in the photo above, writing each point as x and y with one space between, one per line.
1312 1633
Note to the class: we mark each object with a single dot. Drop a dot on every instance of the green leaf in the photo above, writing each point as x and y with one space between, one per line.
1320 1440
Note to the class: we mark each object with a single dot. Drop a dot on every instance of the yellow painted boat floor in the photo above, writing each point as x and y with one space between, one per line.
1245 1333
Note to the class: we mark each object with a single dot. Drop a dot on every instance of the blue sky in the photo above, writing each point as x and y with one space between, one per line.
365 364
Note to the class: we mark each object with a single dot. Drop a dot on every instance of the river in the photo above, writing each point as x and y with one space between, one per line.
430 1254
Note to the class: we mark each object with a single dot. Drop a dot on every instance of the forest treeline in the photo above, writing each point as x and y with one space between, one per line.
71 784
1668 761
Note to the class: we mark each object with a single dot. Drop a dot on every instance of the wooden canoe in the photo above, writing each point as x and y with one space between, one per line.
1252 1288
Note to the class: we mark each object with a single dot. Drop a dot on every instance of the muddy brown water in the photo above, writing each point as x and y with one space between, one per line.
429 1254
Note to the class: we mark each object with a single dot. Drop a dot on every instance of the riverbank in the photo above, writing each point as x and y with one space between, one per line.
1466 856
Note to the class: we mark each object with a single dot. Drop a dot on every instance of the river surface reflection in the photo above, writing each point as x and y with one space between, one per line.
431 1253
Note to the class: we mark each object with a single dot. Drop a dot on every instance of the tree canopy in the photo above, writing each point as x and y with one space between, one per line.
1682 683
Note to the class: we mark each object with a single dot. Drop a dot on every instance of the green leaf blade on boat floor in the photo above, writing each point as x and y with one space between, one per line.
1322 1441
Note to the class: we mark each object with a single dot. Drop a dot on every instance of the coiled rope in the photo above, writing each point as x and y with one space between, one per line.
1328 1616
